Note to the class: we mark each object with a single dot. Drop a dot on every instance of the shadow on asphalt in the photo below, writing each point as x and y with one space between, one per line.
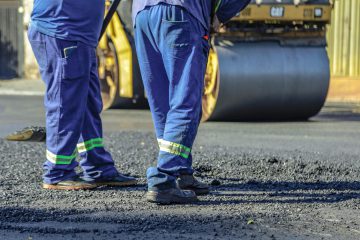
123 225
340 112
285 192
276 192
138 187
338 117
291 186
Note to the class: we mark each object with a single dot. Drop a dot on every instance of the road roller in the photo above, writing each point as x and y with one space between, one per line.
269 63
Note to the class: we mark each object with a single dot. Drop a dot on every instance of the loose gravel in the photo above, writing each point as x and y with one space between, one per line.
255 195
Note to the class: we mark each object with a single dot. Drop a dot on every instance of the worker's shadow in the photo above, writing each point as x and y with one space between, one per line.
284 193
280 192
139 187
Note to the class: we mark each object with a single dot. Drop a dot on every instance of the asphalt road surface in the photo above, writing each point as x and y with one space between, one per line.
288 180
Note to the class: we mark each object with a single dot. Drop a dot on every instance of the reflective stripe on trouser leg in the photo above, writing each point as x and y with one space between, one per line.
172 53
174 148
90 145
185 66
95 161
60 159
67 82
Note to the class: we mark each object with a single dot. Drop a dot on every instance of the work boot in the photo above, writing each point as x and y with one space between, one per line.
189 182
171 195
74 184
118 181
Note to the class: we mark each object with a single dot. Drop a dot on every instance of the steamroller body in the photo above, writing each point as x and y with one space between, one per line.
267 63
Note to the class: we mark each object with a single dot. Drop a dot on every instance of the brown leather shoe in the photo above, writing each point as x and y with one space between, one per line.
70 185
189 182
171 195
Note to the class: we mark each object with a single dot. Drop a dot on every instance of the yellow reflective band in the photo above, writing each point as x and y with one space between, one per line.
90 144
174 148
60 159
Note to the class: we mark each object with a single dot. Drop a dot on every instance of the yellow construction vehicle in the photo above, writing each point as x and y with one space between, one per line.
267 63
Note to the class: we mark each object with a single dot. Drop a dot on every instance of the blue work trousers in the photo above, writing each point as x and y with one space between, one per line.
172 50
73 105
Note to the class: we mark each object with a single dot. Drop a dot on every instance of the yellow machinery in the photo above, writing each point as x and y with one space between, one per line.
268 63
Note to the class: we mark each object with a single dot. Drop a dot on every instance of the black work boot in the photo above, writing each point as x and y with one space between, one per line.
171 195
189 182
118 181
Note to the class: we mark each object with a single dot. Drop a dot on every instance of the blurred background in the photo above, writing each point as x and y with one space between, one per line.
342 35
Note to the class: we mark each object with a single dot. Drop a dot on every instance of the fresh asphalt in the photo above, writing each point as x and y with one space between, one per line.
287 180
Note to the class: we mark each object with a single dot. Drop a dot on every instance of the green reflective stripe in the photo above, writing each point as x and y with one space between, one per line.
60 159
218 5
93 140
174 148
90 144
173 145
86 149
174 152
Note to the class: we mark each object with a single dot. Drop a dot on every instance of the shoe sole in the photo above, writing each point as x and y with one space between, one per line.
118 184
165 199
68 188
198 191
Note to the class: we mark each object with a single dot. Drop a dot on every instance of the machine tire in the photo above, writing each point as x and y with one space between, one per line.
272 82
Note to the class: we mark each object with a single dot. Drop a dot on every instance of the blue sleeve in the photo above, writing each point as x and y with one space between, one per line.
227 9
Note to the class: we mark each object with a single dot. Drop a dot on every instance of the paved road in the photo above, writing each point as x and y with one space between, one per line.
277 181
335 131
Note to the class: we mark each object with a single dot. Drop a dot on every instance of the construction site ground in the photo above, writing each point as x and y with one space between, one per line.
270 180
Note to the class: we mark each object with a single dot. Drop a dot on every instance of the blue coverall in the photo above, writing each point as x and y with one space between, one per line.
64 35
173 51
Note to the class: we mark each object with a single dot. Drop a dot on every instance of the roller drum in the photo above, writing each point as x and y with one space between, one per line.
267 81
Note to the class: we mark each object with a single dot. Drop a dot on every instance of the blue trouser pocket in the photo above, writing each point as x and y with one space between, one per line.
73 104
177 35
71 62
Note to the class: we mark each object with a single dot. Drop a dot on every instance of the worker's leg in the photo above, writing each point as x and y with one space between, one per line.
96 161
179 40
186 70
153 73
66 75
185 54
